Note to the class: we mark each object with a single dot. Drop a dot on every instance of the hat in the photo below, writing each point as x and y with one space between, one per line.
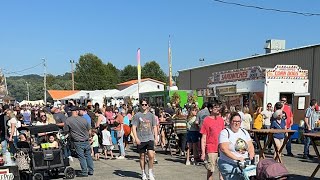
277 113
82 108
74 108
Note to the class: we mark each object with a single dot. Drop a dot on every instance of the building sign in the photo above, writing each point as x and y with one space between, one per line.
243 74
286 72
205 92
222 90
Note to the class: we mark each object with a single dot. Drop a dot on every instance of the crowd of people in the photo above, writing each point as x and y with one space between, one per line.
205 134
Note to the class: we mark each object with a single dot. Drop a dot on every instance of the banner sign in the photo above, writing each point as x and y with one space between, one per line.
222 90
286 72
243 74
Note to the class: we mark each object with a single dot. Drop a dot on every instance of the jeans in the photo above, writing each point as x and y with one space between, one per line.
121 146
266 138
229 171
13 144
83 150
307 142
182 141
288 146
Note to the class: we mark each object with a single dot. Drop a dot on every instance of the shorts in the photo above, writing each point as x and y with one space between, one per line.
229 171
211 161
193 136
108 147
145 146
95 150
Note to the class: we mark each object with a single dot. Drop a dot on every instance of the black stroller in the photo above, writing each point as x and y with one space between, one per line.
43 159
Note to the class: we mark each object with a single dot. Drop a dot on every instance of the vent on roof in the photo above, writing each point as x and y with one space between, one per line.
274 45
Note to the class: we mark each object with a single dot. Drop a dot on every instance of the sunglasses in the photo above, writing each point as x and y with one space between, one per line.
269 106
43 115
236 121
283 100
144 104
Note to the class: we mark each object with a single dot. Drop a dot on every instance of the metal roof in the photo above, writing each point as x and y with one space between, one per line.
241 59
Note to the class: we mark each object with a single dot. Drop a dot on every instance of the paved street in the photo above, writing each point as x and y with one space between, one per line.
173 167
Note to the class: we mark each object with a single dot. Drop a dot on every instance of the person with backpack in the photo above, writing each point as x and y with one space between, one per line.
235 144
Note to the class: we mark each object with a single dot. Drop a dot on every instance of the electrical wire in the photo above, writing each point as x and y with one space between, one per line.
268 9
17 72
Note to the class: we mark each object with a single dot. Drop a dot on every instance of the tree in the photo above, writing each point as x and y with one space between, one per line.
128 73
92 74
152 70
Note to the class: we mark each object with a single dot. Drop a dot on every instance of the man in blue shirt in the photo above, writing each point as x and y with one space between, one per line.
309 125
84 114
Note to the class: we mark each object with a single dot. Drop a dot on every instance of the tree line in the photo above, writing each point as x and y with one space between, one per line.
90 74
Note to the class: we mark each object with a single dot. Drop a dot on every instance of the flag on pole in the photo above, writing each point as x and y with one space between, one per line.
139 69
170 63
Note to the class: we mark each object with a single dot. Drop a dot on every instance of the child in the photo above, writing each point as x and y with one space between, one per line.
106 141
95 144
52 141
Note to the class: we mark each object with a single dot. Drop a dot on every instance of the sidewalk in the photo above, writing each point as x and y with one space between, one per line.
172 167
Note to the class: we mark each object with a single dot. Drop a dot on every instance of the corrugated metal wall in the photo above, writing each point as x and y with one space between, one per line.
307 58
316 75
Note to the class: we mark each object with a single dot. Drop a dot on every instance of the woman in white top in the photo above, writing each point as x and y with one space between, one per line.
235 145
247 119
13 126
101 118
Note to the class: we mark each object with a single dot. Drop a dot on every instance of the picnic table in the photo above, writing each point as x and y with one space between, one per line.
269 133
167 127
313 137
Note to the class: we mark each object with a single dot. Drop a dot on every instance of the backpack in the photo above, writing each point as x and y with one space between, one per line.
270 169
229 132
126 129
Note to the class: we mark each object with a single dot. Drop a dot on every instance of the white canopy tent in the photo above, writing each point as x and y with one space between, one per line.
96 96
132 91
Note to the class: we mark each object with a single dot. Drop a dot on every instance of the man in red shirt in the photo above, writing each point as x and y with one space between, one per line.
289 121
210 130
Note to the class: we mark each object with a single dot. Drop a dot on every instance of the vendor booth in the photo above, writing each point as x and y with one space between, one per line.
256 86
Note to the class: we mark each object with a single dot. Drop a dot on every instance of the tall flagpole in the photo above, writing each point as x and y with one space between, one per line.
139 70
170 63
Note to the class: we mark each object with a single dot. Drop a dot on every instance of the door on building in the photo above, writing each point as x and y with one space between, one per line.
300 103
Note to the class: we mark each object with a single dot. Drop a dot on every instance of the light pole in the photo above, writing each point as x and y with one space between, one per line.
72 75
28 97
45 81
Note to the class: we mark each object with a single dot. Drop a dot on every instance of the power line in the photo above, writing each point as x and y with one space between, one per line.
17 72
269 9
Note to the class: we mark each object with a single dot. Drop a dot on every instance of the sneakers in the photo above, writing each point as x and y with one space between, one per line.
290 154
121 157
70 158
187 163
151 176
144 177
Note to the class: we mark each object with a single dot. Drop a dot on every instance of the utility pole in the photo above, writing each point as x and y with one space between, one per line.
72 75
45 80
28 97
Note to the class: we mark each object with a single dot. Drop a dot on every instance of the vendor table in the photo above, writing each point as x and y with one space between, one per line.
167 127
269 133
313 137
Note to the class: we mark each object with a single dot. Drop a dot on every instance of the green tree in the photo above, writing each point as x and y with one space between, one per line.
152 70
128 73
92 74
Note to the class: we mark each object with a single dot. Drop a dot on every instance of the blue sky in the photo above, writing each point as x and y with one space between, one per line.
113 30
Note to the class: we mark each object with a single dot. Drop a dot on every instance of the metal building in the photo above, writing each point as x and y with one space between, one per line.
307 57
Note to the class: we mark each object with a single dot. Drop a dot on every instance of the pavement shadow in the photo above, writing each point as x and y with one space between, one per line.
132 157
129 174
299 177
182 161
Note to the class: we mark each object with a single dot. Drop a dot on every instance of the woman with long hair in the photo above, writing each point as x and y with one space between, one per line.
13 125
193 134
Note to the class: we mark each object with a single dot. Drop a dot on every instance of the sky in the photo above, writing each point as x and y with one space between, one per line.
61 30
